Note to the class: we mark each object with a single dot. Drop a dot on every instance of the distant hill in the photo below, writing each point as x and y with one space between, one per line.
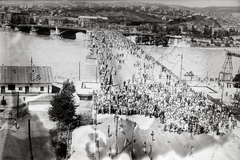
180 7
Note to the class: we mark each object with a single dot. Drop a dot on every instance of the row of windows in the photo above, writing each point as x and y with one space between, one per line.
12 87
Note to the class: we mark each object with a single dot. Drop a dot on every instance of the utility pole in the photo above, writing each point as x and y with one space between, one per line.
207 80
17 104
134 127
222 92
110 99
79 70
31 69
30 142
110 83
96 73
181 68
116 134
162 60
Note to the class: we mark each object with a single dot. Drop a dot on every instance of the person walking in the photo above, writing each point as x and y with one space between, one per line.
15 123
152 134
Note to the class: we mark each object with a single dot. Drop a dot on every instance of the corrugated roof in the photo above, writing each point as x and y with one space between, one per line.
22 74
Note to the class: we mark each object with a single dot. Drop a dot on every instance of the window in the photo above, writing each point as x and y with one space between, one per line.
20 88
41 88
11 87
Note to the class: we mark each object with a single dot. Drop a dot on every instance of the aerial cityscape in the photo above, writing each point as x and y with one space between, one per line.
120 80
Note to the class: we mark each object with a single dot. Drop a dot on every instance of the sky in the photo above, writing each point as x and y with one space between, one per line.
188 3
203 3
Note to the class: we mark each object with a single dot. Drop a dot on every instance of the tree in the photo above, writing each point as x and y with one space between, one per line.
62 108
185 28
155 28
46 21
206 30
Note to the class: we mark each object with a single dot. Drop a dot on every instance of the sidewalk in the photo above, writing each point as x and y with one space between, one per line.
4 121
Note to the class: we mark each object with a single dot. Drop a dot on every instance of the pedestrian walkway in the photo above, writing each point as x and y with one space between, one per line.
3 134
80 139
4 117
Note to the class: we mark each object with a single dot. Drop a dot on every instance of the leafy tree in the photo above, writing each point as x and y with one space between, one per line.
62 108
185 28
210 31
68 87
205 32
155 28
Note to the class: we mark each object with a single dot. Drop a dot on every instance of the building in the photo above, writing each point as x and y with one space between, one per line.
85 89
2 17
26 79
20 18
50 20
90 21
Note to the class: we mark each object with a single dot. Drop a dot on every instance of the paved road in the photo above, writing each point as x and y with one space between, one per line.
165 145
4 121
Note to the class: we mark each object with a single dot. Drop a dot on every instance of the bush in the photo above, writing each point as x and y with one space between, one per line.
3 102
59 142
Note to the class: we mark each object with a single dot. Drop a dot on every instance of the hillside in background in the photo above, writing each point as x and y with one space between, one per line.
226 16
135 13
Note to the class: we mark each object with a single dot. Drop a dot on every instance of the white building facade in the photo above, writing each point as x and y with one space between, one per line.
26 79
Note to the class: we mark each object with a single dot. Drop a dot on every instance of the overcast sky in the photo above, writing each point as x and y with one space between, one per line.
189 3
203 3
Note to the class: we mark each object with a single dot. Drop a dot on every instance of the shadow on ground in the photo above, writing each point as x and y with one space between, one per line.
131 141
17 146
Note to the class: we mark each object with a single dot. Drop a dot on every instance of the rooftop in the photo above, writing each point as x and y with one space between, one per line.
25 74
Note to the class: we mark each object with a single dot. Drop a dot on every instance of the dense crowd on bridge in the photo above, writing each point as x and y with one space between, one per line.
175 104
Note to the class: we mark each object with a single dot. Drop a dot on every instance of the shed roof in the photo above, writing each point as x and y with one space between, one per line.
25 74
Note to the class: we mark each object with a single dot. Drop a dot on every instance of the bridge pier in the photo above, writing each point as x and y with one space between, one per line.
57 31
25 29
43 31
68 35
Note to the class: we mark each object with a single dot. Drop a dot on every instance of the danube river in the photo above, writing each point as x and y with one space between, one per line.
63 55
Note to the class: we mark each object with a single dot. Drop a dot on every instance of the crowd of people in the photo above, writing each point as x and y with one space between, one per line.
175 104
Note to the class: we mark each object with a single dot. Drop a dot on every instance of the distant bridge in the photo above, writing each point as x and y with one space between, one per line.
64 32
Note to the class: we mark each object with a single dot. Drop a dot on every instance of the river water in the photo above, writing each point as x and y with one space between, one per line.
63 55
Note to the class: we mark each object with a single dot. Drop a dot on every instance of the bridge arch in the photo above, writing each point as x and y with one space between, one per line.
70 34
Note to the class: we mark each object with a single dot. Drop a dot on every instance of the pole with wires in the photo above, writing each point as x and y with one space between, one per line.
29 137
181 69
162 60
